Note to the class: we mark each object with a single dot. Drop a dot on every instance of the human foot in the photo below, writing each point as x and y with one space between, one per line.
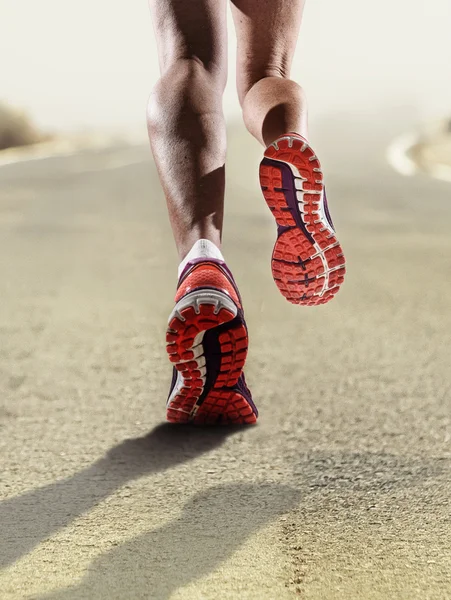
308 264
207 342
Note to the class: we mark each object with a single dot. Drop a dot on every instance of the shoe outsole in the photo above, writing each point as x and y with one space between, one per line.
308 264
195 314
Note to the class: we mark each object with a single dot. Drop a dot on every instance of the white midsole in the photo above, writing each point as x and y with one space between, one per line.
214 297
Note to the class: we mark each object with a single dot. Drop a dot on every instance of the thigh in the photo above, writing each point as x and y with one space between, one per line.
191 29
267 33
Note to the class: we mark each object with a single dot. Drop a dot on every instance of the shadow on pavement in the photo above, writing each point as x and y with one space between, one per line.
28 519
334 488
212 526
339 489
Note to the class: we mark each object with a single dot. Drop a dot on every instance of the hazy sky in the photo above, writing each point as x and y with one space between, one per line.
92 62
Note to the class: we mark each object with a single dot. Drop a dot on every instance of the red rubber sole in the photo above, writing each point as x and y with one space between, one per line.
185 349
308 264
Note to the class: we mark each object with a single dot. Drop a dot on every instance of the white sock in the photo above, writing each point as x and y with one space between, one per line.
201 249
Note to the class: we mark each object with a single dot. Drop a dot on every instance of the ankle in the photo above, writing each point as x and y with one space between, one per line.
202 249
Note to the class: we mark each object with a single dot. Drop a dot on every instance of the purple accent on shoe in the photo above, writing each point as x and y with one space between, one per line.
242 389
326 210
289 191
282 228
212 351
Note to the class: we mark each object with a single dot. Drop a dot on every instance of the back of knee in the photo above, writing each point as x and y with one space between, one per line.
186 85
269 89
251 75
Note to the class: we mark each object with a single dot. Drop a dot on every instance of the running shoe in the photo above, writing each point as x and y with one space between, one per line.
308 264
207 341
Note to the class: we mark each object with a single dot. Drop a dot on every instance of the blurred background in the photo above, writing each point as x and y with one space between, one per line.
92 64
341 490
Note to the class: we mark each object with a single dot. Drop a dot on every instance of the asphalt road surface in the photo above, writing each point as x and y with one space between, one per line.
341 491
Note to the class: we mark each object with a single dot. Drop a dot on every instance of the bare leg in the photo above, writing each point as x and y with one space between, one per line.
267 32
185 120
